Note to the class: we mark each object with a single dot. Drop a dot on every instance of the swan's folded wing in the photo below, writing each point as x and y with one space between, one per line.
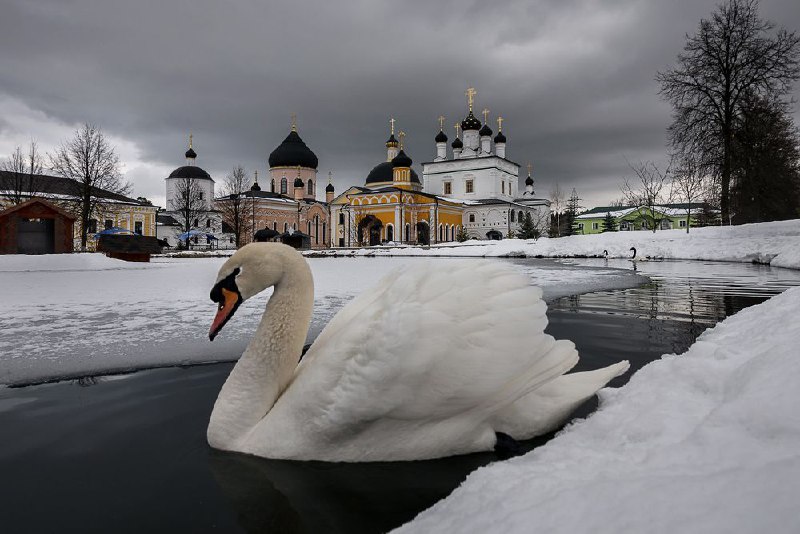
430 343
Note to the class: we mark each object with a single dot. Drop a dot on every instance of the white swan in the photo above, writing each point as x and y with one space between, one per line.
433 362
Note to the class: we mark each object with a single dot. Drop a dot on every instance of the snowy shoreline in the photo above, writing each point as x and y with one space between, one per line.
774 243
708 441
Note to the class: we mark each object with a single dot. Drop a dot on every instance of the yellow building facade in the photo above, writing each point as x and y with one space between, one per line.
392 208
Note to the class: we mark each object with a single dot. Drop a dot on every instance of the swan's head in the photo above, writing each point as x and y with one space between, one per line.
252 269
633 249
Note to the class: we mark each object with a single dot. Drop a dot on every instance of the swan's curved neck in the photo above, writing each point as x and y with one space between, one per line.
268 364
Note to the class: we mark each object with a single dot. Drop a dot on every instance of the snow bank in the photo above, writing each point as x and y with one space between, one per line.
708 441
775 243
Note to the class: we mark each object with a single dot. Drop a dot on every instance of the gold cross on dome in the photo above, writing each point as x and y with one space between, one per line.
294 122
529 169
441 122
471 92
401 135
256 178
457 125
500 124
391 121
190 139
485 115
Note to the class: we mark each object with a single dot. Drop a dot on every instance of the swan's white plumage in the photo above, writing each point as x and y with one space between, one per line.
430 363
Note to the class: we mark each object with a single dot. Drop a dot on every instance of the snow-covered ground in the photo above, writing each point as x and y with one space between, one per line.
775 243
708 441
71 315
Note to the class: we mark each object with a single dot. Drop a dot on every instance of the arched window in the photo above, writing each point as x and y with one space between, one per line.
285 227
283 185
471 217
196 223
272 185
408 232
316 228
389 232
324 232
275 225
294 227
512 215
308 227
441 232
521 216
310 187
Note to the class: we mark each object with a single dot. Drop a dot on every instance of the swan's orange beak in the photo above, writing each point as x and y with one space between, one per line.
229 302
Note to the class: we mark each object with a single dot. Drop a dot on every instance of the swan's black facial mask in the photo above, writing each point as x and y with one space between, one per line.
227 296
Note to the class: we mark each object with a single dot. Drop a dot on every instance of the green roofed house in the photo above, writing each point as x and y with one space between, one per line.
628 218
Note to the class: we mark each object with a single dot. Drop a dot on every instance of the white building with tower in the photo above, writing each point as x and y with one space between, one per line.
478 173
190 192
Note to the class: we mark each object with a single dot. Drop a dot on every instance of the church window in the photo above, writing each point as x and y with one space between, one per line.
308 227
310 187
389 232
275 225
137 227
272 185
196 223
448 188
324 228
471 217
441 233
92 228
283 185
469 187
294 227
108 223
503 187
341 218
200 195
512 215
285 227
208 223
408 232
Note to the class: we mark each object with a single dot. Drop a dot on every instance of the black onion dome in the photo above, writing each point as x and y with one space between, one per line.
255 187
329 188
485 131
401 160
470 123
441 137
293 152
383 173
392 141
298 182
529 180
499 138
191 153
189 171
457 143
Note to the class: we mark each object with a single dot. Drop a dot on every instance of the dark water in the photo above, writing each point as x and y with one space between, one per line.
128 453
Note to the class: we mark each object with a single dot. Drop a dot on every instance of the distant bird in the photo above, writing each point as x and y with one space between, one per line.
634 258
605 253
415 368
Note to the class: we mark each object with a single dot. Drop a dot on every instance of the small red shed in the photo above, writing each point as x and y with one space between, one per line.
36 226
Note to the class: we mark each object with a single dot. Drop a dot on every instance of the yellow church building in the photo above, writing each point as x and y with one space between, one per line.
391 207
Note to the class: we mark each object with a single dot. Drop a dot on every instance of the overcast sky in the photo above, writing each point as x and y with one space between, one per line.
573 79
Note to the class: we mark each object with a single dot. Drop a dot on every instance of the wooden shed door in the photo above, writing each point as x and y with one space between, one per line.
35 236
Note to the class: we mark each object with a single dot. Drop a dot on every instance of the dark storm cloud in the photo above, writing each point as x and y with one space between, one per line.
574 79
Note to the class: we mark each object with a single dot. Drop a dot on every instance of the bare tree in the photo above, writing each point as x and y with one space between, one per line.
730 56
89 159
21 176
688 183
557 202
235 207
188 203
648 190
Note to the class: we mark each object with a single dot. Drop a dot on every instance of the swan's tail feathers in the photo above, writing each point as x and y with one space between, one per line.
546 408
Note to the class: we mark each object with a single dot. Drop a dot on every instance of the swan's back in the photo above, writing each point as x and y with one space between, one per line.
416 366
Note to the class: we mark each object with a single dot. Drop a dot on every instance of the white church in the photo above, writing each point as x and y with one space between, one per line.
478 173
